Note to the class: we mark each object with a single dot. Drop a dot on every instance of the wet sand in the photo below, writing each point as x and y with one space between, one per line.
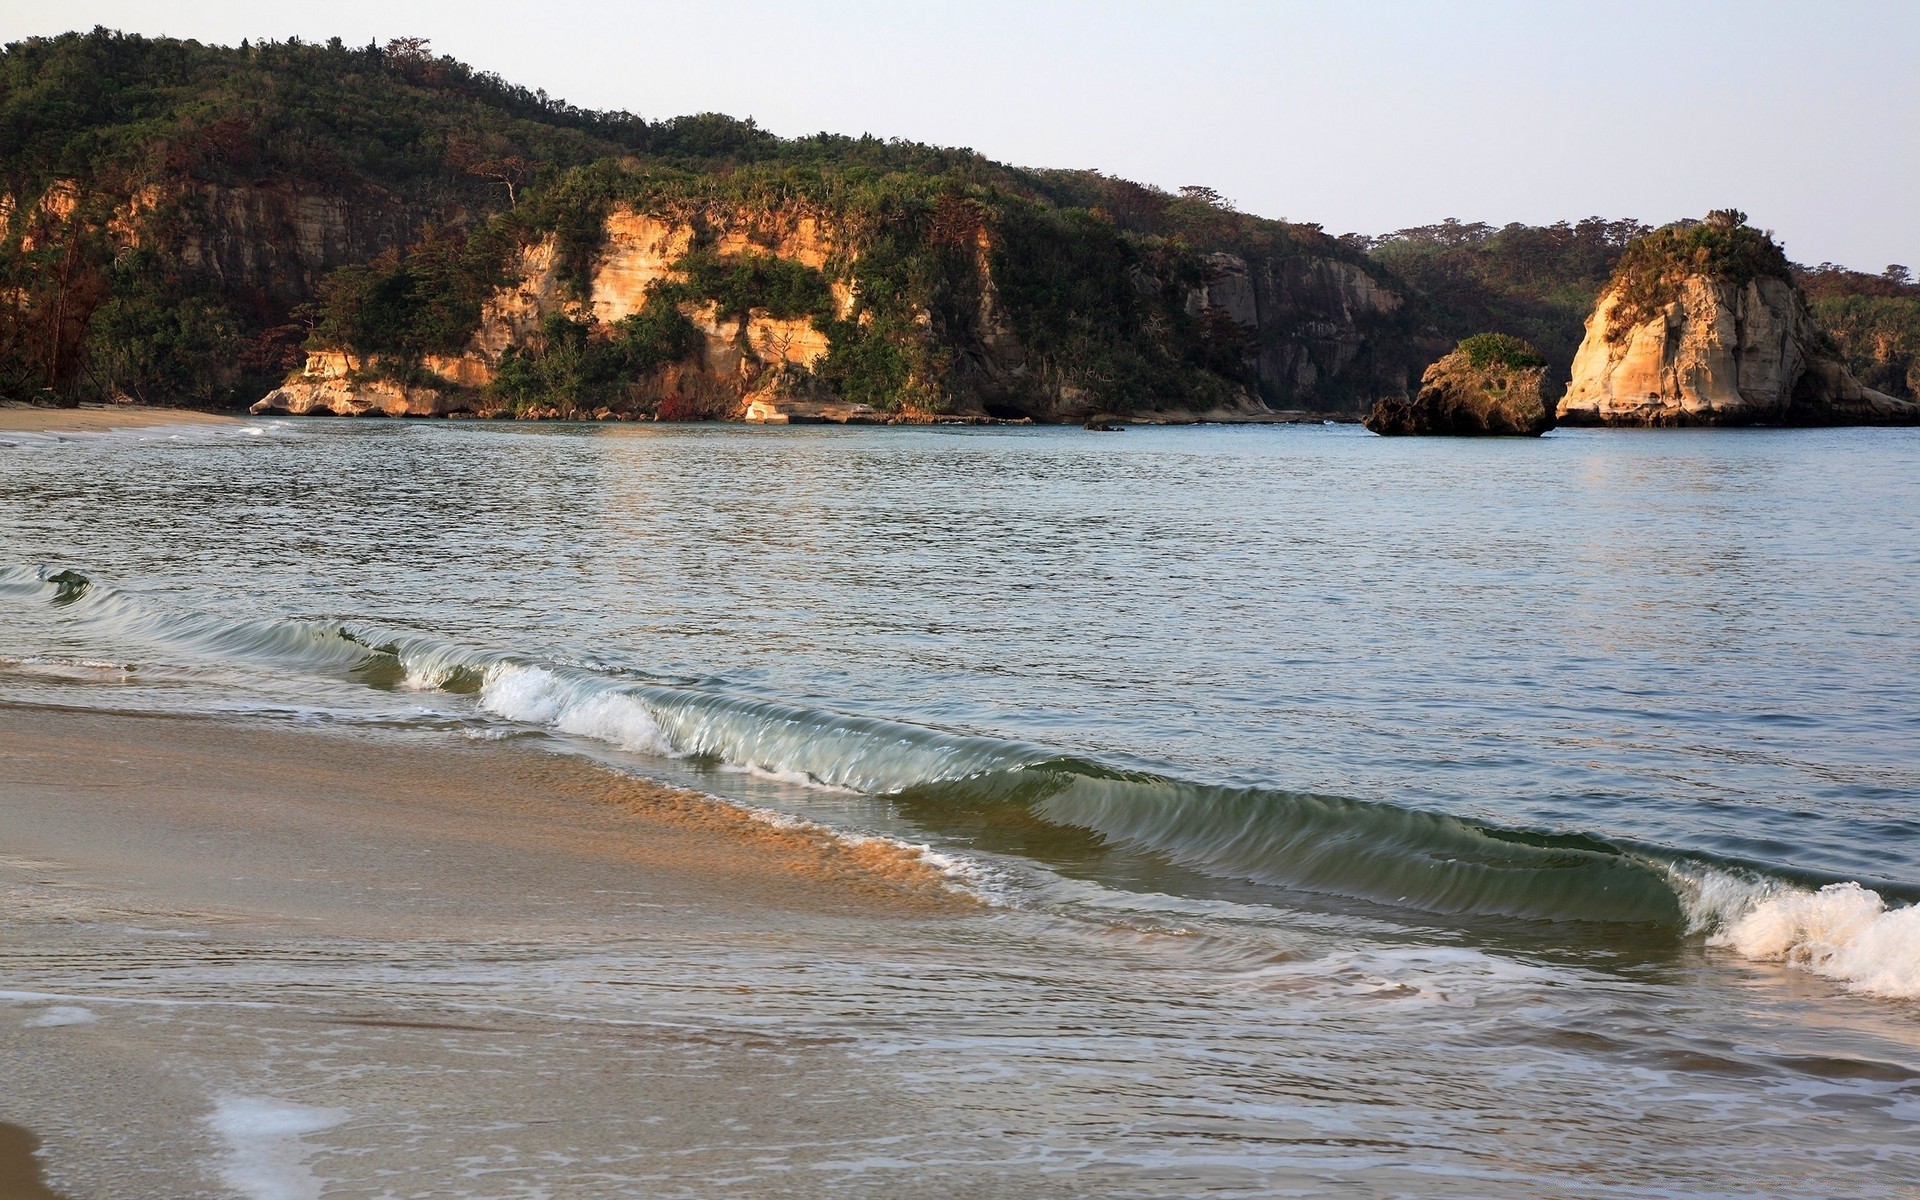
99 418
230 949
19 1169
339 829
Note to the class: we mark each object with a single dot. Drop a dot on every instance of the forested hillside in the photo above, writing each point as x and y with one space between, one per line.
183 223
175 215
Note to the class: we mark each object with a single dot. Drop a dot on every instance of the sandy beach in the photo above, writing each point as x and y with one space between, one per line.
288 861
99 418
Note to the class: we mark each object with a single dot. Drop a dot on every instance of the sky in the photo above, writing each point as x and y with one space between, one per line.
1368 115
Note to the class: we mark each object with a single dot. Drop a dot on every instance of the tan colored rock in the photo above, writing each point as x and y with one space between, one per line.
788 396
1719 354
55 205
640 250
467 370
514 314
332 383
1459 399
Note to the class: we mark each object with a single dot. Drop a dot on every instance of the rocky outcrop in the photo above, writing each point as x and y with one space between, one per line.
1325 338
337 384
641 250
1718 352
282 239
1487 386
1307 329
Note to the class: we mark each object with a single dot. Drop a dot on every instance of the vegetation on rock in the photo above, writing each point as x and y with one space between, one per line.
1484 351
282 193
179 221
1873 319
1491 384
1722 247
1537 282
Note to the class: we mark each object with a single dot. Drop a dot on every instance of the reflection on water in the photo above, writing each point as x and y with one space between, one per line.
1277 745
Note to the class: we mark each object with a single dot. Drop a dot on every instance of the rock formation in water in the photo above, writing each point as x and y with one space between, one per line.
1489 385
1703 324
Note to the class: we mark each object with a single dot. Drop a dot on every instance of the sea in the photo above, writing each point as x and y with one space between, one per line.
1347 815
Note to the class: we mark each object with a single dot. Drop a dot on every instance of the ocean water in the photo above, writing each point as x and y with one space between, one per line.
1407 816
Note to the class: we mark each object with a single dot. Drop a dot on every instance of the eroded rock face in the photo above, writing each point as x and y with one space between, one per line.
1309 328
641 250
284 239
1720 353
1458 399
1312 329
333 384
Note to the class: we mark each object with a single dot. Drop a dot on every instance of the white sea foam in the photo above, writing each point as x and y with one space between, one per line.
63 1014
266 1158
1844 932
537 696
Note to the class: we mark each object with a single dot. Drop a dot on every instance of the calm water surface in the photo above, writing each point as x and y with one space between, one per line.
1383 816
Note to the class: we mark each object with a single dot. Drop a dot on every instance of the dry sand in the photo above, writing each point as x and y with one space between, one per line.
99 418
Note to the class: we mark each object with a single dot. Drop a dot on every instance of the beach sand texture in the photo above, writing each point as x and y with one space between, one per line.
99 418
269 894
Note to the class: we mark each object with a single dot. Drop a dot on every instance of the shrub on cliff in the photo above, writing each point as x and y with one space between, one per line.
740 283
1484 351
576 366
424 301
1722 247
1489 384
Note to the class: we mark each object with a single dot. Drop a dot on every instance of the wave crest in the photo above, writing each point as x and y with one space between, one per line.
1844 932
1332 845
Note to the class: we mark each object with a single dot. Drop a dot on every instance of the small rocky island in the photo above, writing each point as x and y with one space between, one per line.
1491 384
1703 324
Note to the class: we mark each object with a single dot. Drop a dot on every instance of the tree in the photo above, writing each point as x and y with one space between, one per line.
1206 195
410 50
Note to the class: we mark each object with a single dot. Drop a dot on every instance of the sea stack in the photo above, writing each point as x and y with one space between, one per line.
1703 324
1489 384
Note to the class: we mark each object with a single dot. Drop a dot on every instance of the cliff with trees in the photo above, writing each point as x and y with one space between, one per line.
200 224
382 229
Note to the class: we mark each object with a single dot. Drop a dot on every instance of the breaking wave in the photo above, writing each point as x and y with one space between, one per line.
1328 845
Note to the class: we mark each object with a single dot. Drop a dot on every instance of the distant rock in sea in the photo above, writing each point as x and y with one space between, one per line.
1489 385
1703 324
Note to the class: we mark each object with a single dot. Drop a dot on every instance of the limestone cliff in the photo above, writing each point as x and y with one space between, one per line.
1689 333
1283 328
1309 321
206 275
185 220
334 383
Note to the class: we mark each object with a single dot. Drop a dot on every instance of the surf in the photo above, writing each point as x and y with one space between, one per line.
1286 841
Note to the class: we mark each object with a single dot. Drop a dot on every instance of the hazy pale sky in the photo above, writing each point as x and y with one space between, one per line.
1366 116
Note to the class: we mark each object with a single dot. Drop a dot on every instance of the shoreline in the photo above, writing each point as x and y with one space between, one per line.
16 417
187 898
165 771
